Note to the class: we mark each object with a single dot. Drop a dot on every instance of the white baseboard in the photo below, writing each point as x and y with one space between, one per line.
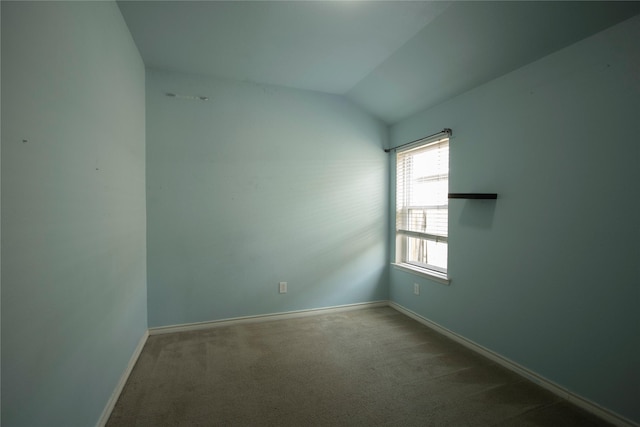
264 317
123 380
558 390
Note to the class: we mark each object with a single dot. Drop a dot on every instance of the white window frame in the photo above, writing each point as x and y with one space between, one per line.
403 233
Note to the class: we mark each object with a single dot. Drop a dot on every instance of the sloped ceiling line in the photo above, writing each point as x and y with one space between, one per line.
392 58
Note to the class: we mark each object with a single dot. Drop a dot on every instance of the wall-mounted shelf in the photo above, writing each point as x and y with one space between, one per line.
485 196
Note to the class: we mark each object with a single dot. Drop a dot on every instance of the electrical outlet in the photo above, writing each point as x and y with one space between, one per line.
283 287
416 289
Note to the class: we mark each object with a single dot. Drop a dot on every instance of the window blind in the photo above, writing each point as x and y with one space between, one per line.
422 187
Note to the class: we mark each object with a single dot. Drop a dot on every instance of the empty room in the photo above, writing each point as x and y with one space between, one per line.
376 213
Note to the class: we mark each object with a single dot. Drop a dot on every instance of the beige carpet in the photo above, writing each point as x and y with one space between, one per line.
370 367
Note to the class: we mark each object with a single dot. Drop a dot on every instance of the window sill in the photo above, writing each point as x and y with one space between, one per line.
423 272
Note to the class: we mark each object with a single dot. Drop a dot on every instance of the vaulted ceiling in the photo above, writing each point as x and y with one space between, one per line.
393 58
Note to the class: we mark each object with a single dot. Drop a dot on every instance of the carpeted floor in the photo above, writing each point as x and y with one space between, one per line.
369 367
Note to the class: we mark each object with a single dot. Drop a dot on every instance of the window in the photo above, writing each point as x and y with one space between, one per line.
422 188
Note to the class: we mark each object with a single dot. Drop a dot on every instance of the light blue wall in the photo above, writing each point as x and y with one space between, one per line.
549 274
258 185
73 218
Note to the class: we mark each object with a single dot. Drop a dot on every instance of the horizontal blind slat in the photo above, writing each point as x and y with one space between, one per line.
427 236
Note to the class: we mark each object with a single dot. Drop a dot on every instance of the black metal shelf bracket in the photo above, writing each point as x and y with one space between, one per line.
475 196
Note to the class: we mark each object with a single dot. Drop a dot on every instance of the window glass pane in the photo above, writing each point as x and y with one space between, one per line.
433 159
426 252
428 192
431 221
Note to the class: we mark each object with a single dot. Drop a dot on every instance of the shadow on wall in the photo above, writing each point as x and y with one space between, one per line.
477 213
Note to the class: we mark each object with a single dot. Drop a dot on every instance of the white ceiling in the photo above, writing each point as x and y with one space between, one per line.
393 58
